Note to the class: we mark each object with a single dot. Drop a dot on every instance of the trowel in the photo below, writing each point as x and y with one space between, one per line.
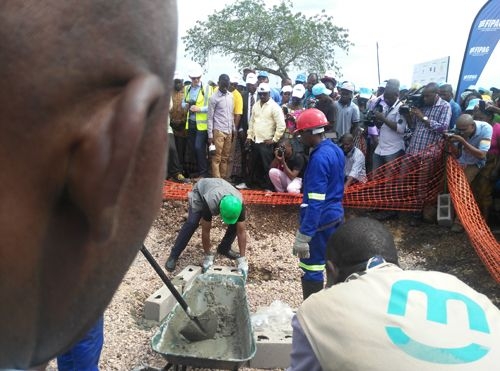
200 327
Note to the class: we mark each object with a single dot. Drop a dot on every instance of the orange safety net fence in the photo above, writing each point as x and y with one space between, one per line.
480 236
407 183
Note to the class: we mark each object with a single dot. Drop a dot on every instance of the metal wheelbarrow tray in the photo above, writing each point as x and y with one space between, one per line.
234 343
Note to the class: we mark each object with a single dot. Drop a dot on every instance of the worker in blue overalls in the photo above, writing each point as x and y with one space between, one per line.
321 211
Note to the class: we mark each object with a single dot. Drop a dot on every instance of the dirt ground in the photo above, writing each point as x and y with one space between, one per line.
273 273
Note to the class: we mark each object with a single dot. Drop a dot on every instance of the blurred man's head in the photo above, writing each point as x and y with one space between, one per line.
347 143
83 110
353 244
430 94
445 91
391 95
223 83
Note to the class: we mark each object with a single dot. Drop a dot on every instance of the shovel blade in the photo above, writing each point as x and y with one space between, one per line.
201 327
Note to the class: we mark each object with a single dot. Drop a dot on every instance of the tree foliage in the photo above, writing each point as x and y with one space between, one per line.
270 39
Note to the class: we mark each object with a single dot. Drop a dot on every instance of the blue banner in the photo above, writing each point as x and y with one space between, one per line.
482 51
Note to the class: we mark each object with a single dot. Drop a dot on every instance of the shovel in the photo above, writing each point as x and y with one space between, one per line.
194 330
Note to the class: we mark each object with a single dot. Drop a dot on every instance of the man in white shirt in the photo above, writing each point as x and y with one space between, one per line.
392 128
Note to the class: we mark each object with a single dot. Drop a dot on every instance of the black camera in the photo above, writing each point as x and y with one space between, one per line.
451 132
311 102
370 119
280 152
414 99
192 103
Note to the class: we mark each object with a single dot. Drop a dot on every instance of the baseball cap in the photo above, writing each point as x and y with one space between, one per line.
472 103
320 88
301 77
263 88
347 85
298 91
235 79
263 74
286 89
251 78
365 93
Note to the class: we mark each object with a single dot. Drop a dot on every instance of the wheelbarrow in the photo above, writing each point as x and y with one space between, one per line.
233 345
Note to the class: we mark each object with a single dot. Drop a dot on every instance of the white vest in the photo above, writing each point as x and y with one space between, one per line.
390 319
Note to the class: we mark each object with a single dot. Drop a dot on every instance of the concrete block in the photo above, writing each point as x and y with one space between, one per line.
273 349
445 212
160 303
185 277
219 269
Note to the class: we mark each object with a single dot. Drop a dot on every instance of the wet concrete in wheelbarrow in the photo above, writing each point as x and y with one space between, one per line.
233 338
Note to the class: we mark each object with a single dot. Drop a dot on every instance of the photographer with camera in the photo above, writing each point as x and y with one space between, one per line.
428 115
392 127
287 168
472 141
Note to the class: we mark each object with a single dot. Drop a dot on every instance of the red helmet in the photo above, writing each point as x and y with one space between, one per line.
311 118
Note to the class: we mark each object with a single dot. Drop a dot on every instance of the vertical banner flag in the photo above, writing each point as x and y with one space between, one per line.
482 53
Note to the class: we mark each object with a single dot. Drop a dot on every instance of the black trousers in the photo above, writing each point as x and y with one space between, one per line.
261 157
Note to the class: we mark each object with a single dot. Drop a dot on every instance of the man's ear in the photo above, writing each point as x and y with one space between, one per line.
332 273
105 152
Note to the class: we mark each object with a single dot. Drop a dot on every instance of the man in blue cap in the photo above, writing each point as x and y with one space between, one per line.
300 79
325 104
263 76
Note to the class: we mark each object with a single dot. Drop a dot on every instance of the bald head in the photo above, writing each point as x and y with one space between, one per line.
82 130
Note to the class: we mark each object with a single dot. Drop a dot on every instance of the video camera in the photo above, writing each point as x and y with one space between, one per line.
413 99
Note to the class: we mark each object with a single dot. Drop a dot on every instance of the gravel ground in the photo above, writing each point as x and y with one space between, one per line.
273 273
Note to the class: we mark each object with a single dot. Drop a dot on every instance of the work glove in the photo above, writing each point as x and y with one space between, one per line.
301 245
207 262
243 266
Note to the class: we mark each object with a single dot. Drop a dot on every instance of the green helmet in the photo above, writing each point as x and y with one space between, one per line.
230 209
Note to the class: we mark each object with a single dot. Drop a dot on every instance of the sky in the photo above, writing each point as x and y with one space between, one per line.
407 33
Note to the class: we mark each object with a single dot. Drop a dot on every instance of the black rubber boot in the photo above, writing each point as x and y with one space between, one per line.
310 287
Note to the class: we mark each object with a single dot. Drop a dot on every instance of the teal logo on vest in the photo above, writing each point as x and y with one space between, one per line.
436 312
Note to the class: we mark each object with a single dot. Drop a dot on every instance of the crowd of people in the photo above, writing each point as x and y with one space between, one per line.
252 128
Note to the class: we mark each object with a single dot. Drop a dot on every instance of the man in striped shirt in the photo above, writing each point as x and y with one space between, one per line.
429 121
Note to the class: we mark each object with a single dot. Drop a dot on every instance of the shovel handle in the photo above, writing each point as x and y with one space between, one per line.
166 280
